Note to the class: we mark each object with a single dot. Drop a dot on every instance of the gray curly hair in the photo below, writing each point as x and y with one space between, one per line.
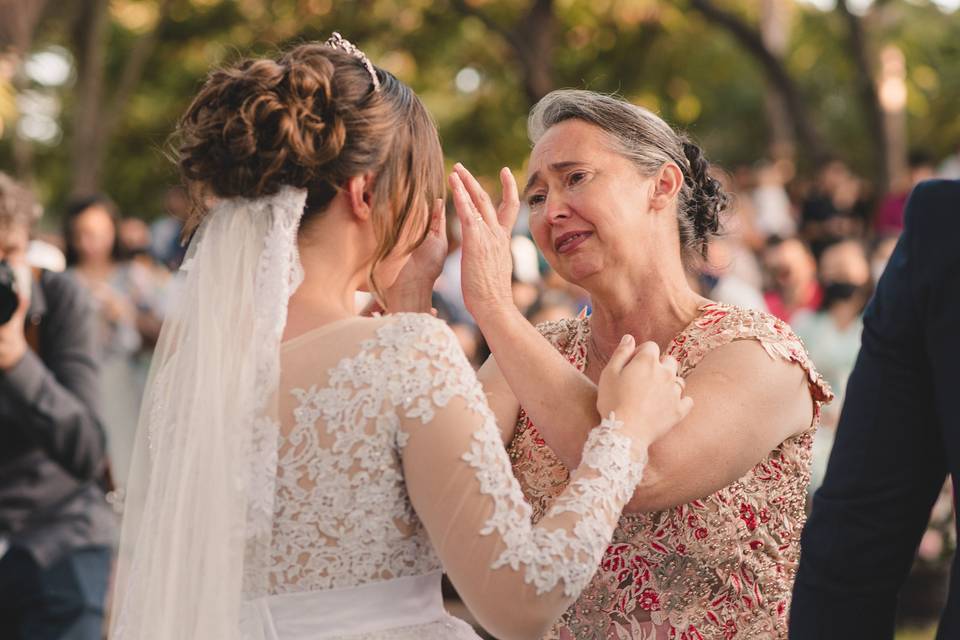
645 139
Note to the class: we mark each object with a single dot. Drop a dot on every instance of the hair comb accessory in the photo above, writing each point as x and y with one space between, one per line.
337 41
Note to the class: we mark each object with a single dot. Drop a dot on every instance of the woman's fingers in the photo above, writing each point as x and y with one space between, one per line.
506 214
510 207
461 202
481 200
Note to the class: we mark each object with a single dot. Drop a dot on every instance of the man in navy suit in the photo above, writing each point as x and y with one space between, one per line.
898 438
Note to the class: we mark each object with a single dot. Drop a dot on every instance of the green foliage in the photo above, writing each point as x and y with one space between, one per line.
659 53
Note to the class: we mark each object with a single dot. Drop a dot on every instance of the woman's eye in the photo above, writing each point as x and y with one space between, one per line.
576 177
535 200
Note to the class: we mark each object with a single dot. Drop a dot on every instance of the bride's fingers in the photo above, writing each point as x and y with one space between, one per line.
622 354
481 200
438 217
670 363
510 207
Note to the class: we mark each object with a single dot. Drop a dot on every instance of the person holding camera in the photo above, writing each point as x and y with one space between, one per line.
56 528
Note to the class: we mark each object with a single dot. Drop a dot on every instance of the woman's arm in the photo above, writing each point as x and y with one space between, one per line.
500 397
747 402
539 377
516 577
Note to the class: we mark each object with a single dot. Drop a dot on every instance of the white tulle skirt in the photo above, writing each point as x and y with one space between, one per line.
402 609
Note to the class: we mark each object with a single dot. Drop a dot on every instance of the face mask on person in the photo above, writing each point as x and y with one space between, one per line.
839 291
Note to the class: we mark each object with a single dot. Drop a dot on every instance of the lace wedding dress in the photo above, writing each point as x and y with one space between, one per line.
391 468
316 488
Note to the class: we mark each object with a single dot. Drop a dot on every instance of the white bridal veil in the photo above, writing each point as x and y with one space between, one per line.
199 503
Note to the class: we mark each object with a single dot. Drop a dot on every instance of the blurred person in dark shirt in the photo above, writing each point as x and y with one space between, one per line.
835 208
56 528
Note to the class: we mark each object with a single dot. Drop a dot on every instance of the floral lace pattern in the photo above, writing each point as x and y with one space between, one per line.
343 517
721 567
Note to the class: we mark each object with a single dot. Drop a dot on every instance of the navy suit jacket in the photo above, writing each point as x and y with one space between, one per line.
898 438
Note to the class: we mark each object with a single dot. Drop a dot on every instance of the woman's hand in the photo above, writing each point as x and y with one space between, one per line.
414 284
643 390
487 263
116 307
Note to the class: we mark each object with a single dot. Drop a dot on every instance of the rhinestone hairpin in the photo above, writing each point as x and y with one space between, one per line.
337 41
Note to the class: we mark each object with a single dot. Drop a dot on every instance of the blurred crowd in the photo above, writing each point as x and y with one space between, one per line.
127 267
809 251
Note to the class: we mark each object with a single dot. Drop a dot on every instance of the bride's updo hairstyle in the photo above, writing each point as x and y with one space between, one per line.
645 139
312 118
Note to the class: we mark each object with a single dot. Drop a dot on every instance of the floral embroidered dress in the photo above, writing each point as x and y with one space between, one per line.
720 567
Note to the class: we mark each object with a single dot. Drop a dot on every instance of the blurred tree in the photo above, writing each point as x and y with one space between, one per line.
782 83
20 19
775 23
479 65
96 112
531 40
865 61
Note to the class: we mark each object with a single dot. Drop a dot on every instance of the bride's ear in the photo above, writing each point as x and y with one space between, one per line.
360 195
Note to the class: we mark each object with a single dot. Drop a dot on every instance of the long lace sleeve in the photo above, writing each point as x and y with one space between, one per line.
515 577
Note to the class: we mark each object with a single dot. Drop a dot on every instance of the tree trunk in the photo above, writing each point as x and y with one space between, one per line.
806 133
87 143
22 146
20 19
893 95
869 99
775 18
97 114
532 41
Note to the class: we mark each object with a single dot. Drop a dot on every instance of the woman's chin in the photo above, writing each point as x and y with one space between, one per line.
578 271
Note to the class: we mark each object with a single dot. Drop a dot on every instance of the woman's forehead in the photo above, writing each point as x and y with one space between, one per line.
568 141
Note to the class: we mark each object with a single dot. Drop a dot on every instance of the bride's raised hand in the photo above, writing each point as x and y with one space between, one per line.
486 263
643 390
412 289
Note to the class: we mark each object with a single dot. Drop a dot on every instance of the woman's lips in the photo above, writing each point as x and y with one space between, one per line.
570 241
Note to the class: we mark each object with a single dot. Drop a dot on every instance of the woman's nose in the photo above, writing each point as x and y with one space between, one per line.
556 209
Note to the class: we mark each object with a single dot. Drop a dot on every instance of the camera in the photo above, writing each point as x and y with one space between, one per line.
9 298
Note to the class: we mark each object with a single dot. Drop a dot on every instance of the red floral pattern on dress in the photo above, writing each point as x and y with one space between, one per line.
720 567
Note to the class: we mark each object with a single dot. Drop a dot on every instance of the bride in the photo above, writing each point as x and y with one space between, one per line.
305 473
